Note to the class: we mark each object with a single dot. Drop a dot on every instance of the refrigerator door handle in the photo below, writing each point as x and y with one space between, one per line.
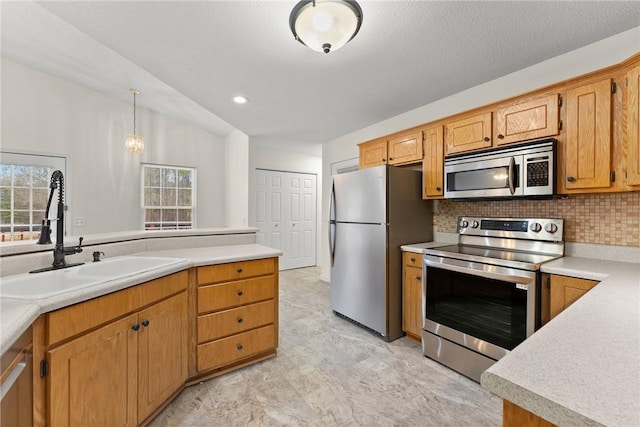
332 223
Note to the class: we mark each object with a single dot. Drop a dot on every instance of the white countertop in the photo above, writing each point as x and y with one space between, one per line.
16 316
419 248
583 367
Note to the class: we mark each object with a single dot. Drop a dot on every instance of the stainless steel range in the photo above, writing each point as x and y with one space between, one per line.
481 297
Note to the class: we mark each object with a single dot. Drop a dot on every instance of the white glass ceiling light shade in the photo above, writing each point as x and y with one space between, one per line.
325 25
134 143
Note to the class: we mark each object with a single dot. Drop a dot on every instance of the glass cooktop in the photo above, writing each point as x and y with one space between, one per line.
518 259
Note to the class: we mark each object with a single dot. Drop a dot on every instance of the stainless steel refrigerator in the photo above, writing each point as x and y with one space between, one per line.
373 212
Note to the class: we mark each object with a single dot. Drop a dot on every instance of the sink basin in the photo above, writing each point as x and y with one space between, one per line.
123 266
56 282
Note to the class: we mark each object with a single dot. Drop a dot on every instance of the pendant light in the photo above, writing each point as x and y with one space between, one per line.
134 143
325 25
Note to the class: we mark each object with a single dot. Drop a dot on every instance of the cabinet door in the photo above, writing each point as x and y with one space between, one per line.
412 295
471 133
565 291
588 137
162 352
405 148
527 120
433 163
93 379
633 127
373 153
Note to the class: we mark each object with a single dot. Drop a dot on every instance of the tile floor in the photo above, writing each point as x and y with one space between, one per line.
329 372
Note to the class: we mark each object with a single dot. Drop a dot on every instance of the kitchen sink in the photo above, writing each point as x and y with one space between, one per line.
57 282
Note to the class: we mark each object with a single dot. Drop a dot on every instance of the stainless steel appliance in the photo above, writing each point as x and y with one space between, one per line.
515 170
373 212
481 297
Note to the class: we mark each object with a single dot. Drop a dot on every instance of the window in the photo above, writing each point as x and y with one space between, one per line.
168 197
24 190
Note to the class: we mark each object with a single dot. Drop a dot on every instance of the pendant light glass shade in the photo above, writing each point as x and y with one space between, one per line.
325 25
134 143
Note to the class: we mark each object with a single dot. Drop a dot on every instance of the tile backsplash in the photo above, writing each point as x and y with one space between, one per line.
605 219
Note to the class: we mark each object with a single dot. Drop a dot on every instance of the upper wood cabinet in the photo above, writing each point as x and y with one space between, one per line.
633 127
471 133
532 119
433 163
397 149
373 153
587 142
405 148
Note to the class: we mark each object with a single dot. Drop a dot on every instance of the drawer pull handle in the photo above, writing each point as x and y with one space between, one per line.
240 319
413 259
136 327
240 270
145 323
240 293
239 347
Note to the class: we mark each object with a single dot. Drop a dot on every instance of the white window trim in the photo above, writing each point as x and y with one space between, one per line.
194 199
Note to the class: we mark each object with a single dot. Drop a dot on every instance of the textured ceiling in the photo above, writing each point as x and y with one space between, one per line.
190 58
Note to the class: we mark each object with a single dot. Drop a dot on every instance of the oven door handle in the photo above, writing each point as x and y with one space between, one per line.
512 168
484 270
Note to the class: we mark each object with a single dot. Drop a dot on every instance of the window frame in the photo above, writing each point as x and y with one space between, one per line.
51 161
144 207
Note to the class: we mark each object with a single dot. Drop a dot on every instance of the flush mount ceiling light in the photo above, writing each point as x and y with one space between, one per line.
325 25
134 143
239 99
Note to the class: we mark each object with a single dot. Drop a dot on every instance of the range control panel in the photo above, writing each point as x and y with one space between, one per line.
548 229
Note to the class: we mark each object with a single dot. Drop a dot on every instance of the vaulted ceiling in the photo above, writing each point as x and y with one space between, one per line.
189 58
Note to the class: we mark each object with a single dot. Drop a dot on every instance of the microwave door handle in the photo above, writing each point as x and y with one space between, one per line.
512 168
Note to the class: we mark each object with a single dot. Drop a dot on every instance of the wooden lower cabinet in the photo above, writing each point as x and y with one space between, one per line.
237 319
412 295
565 290
125 369
516 416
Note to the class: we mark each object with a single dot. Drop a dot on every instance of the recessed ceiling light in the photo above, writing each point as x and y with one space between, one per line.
239 99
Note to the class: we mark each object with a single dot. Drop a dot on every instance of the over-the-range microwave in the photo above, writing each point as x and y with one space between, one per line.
515 170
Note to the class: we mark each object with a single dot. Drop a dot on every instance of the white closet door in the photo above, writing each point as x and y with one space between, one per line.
286 215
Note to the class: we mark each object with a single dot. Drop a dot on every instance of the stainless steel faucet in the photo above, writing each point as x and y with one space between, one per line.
59 251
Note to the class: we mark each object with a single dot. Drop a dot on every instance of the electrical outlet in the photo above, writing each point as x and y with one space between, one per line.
79 222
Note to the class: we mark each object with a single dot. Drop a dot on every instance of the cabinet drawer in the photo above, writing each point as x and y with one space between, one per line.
235 320
236 347
412 259
236 270
228 295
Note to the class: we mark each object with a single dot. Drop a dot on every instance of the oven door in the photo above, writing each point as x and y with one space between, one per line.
473 178
486 308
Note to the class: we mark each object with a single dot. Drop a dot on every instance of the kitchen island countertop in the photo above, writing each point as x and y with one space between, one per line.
18 315
583 367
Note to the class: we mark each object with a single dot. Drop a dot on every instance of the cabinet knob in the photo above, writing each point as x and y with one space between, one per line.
571 179
136 327
384 160
486 138
145 323
418 277
240 320
500 136
413 259
239 347
438 188
240 293
390 158
239 270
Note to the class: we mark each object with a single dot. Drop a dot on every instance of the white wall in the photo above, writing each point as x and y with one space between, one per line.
45 114
286 161
589 58
237 180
